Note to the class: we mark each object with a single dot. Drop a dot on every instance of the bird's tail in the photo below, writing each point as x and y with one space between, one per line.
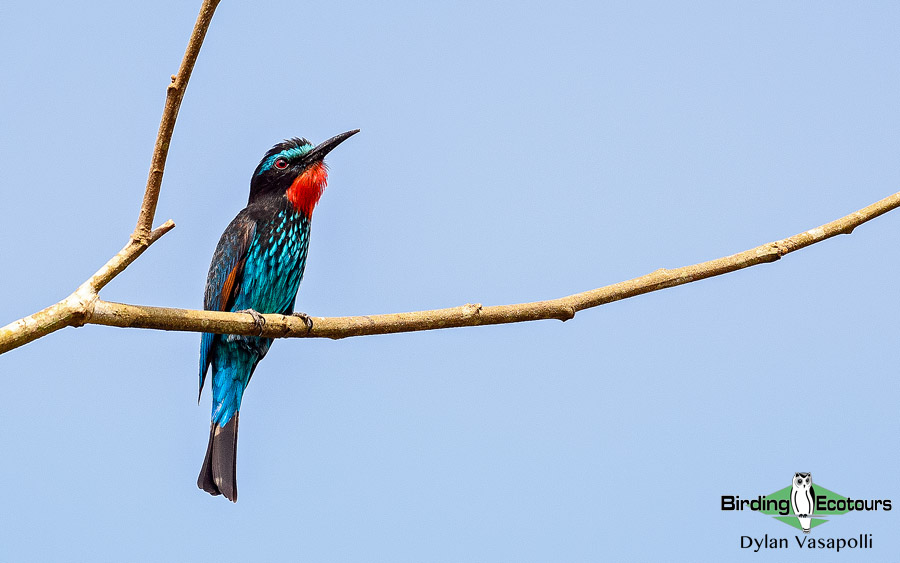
218 475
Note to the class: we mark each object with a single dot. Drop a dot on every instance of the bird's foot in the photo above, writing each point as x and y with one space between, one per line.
257 318
307 320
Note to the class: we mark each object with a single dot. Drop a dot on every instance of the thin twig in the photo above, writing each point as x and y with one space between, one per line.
174 95
564 308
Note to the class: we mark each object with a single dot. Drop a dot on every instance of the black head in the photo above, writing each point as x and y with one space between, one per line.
287 160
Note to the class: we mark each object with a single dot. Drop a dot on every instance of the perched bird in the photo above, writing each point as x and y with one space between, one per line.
257 268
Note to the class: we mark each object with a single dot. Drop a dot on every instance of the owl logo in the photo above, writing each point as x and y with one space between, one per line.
803 499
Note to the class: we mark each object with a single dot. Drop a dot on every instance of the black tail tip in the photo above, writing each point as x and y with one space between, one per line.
218 475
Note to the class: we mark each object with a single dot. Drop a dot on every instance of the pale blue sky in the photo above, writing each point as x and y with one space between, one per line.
510 151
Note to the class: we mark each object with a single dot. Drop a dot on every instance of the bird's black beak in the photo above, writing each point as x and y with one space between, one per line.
324 148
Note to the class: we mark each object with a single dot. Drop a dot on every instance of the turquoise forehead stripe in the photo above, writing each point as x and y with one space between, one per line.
289 154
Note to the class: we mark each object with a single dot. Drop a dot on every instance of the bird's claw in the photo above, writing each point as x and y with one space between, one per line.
307 320
257 318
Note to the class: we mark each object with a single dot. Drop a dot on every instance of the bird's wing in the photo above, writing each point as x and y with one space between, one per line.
223 284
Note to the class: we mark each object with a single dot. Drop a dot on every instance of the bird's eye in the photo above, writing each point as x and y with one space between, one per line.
281 163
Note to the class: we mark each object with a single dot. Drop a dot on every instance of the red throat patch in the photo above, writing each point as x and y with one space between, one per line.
307 188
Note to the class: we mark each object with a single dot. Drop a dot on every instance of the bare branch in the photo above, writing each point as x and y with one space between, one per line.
174 95
74 309
32 327
564 308
84 306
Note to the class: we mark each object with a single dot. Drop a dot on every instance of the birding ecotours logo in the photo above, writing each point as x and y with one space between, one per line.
803 505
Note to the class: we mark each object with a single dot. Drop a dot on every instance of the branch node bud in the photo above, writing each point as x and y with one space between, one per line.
471 309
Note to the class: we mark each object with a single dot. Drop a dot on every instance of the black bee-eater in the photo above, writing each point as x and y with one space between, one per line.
257 268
